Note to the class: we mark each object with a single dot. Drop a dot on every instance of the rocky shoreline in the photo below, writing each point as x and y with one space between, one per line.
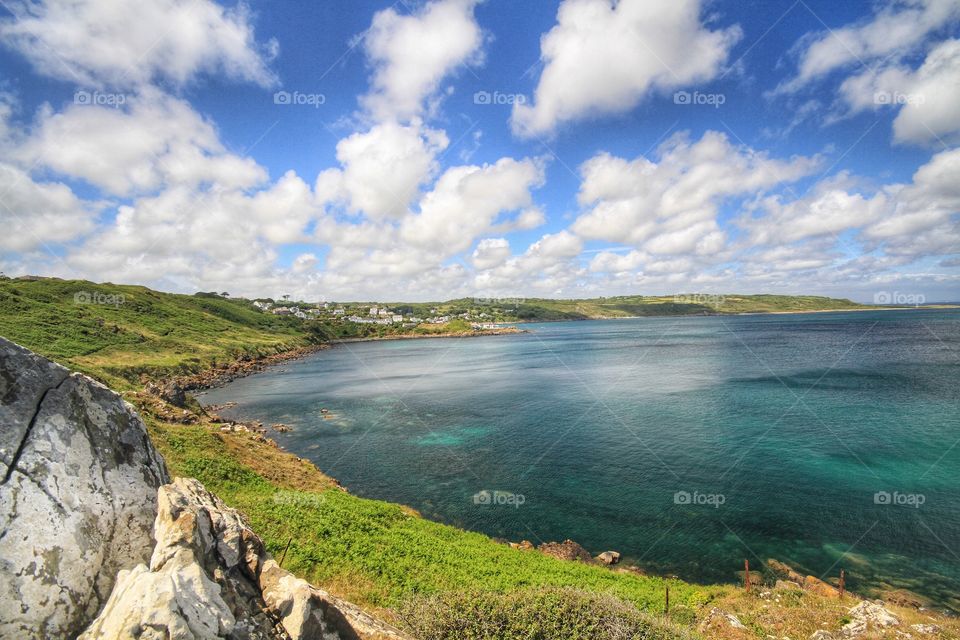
241 367
246 364
423 336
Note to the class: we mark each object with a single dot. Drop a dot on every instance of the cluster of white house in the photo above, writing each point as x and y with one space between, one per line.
375 315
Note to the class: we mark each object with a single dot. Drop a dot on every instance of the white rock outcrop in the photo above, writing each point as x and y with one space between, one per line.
210 577
77 499
867 615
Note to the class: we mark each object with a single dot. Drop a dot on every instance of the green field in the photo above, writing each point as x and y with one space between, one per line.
681 304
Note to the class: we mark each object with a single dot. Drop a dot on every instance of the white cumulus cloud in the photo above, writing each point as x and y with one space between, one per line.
605 57
382 169
411 54
895 29
670 206
124 44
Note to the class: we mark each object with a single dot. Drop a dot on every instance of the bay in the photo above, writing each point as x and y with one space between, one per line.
826 440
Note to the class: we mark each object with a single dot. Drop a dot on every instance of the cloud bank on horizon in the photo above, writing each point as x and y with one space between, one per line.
447 148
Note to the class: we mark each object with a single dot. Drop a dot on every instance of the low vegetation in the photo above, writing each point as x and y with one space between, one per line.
377 553
533 614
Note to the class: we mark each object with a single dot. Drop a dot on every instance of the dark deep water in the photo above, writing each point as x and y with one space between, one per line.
782 430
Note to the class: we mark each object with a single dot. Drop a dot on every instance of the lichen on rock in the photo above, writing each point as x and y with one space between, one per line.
77 499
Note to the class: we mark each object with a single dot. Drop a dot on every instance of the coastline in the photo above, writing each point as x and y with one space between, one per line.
245 365
816 585
242 366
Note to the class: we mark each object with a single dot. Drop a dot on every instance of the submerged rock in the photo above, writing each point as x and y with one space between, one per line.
210 577
785 574
78 495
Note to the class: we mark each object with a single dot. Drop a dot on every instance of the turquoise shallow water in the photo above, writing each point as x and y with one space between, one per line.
688 444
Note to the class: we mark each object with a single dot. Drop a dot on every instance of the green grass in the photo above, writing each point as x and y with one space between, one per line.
681 304
382 554
118 332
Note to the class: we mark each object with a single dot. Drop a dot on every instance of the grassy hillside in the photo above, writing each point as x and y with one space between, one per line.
545 309
118 332
693 304
548 310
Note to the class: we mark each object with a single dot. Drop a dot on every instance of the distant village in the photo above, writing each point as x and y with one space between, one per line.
375 314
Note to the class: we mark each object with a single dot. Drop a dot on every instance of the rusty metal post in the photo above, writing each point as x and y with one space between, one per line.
843 582
746 574
284 556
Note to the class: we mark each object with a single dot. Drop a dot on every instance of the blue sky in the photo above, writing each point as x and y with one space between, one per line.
155 145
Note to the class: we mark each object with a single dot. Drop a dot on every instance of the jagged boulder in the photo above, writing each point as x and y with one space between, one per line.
170 392
78 495
210 577
867 615
566 550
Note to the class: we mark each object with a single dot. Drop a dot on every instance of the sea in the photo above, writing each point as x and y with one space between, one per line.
827 441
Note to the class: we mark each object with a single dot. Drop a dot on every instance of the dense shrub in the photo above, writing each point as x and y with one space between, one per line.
533 614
